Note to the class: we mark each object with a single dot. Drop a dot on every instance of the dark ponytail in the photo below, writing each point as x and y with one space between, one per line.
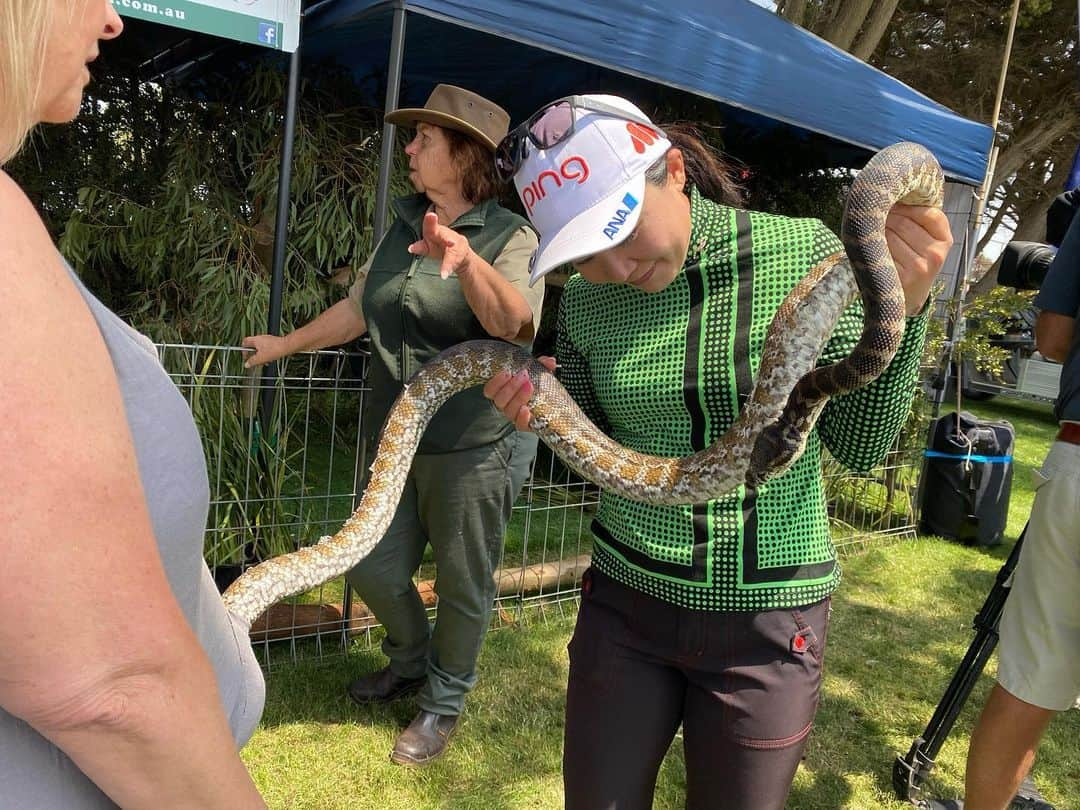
706 168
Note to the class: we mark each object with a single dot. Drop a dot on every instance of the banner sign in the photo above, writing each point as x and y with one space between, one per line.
270 23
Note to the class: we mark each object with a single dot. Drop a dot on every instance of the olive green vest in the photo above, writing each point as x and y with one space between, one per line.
412 314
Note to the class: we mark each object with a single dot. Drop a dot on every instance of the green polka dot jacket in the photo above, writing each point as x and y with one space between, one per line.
665 373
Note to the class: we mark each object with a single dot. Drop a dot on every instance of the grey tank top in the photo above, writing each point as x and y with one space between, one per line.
33 772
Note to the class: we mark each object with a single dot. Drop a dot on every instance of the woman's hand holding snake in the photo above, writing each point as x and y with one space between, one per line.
919 239
510 393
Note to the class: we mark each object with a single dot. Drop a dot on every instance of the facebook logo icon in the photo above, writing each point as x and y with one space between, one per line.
268 33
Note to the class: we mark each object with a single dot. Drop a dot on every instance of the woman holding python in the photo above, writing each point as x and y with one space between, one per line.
713 616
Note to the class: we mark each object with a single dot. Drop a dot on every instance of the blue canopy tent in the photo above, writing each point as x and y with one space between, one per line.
759 67
772 85
763 73
736 62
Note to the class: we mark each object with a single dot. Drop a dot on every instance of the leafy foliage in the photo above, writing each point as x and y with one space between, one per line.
173 227
118 142
988 316
255 512
952 50
186 257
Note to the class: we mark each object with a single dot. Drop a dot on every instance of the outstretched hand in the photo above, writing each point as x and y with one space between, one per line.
919 239
445 244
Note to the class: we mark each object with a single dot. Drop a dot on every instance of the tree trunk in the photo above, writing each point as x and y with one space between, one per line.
1031 142
1032 221
875 29
996 219
841 32
794 11
1031 224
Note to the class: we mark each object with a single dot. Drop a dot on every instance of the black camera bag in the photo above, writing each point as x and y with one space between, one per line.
967 476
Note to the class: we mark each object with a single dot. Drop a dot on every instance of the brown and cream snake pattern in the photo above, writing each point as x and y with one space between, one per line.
767 437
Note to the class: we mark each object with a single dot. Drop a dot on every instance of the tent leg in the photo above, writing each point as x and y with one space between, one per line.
955 312
382 199
281 233
944 373
393 87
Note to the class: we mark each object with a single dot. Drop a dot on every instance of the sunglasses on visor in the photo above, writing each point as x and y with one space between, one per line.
549 126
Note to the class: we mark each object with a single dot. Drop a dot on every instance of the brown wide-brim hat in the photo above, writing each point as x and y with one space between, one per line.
458 109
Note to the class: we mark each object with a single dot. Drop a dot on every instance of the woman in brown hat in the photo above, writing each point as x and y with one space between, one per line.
454 266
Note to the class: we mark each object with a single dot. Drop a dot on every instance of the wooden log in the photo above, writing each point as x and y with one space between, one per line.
284 620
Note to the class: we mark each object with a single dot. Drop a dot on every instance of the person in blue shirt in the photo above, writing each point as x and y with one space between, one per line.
1038 666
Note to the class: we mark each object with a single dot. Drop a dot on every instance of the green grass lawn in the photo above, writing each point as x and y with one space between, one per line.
901 623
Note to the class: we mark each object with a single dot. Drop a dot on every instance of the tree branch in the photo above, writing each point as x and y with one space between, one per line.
1033 141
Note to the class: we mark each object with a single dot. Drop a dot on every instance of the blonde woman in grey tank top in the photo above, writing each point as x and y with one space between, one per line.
123 681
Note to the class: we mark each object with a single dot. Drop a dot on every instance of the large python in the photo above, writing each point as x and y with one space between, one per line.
766 438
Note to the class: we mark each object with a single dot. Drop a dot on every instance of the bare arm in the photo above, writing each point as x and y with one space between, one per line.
339 324
501 309
1054 334
95 652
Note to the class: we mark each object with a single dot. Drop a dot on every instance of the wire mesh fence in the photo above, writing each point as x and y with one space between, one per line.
284 459
875 508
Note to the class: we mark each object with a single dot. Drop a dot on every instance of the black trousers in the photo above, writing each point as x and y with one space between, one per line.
744 687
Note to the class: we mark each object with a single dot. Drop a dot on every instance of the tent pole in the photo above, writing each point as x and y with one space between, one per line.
996 115
382 198
393 87
281 233
986 188
953 315
971 238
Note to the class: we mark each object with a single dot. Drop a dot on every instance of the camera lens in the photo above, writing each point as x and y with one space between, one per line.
1024 264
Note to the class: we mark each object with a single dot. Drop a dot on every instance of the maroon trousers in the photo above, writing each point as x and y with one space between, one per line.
744 687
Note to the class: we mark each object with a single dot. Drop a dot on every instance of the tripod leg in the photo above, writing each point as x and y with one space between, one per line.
911 771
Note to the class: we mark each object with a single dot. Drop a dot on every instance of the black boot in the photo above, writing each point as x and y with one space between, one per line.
1026 798
383 686
425 739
